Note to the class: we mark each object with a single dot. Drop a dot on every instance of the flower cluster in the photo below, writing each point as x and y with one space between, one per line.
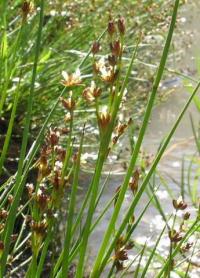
119 130
46 196
106 72
121 253
70 80
133 184
176 234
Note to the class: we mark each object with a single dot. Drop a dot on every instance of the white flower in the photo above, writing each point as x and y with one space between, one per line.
71 80
107 74
92 92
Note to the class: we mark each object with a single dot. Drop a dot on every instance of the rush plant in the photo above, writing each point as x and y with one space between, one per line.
45 187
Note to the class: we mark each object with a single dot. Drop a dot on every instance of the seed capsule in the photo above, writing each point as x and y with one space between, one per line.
133 184
179 204
3 214
175 236
186 216
104 119
116 48
95 48
111 28
69 103
121 25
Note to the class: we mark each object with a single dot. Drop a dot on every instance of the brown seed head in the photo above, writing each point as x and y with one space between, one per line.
186 216
187 247
111 28
27 8
121 25
112 60
115 139
121 128
119 266
109 75
97 92
61 152
104 119
88 95
95 48
28 219
120 242
69 103
133 184
179 204
116 48
39 227
174 236
3 214
64 130
54 137
91 93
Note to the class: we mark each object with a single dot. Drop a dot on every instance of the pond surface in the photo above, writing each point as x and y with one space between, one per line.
162 120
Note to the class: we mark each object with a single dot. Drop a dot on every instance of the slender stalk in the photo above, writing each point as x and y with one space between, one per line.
10 127
143 275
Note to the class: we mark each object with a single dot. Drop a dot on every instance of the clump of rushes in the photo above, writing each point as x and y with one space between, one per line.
54 170
58 168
